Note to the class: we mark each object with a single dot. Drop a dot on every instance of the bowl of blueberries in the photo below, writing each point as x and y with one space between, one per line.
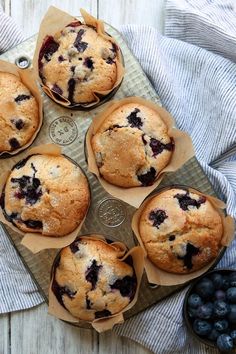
210 309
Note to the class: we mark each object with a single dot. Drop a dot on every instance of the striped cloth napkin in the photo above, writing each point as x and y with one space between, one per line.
193 70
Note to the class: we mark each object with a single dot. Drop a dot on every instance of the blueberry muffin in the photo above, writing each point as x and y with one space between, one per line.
132 146
19 114
77 62
46 194
181 231
90 280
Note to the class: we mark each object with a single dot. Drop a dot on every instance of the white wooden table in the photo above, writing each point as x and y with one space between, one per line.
34 331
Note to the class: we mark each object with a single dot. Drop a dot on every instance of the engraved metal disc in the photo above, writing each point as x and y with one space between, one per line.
111 212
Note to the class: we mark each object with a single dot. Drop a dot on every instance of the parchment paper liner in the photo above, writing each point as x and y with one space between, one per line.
183 151
28 79
158 276
36 242
103 324
54 21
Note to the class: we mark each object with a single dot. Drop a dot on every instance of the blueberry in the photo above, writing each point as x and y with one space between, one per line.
221 309
233 335
157 146
92 273
127 286
49 47
231 295
134 120
217 280
14 143
88 63
232 314
205 311
220 295
232 279
191 251
192 312
78 44
158 217
205 288
148 178
33 224
18 122
74 246
20 98
202 328
221 325
185 201
71 89
213 335
225 284
225 342
194 301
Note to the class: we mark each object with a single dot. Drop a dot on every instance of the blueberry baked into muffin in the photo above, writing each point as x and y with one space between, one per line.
19 114
181 230
46 194
132 146
77 62
90 281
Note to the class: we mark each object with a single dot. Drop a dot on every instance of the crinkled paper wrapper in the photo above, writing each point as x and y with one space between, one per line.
36 242
103 324
54 21
159 276
183 151
27 78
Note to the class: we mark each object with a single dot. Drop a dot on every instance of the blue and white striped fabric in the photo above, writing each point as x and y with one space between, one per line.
193 71
198 87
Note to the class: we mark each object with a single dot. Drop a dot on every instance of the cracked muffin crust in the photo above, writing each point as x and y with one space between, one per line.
132 146
19 115
46 194
76 62
181 231
90 280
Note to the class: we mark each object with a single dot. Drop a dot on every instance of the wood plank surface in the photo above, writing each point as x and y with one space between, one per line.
122 12
4 334
29 13
34 331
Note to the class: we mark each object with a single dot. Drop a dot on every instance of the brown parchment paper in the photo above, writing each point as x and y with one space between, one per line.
36 242
182 152
103 324
54 21
158 276
28 79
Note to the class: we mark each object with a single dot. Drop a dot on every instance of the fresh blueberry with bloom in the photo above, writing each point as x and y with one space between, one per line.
194 301
202 328
205 288
226 283
232 314
233 335
221 309
231 295
217 280
221 325
220 295
225 342
232 279
205 311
